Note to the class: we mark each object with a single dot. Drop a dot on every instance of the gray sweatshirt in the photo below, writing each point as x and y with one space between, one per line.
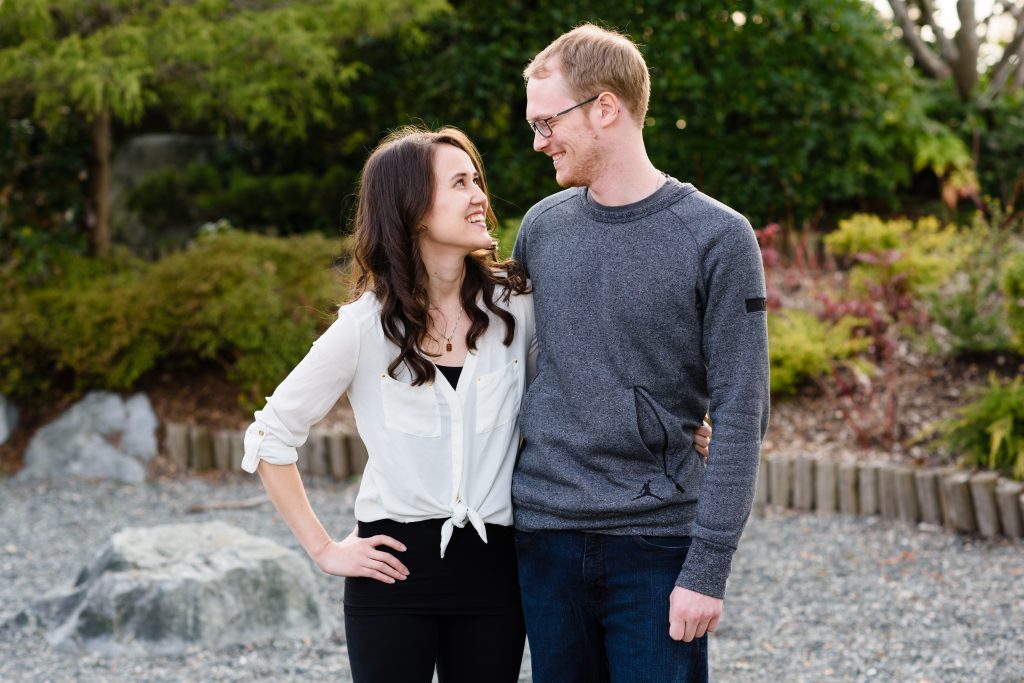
649 315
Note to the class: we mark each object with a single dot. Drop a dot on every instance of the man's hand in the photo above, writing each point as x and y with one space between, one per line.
691 614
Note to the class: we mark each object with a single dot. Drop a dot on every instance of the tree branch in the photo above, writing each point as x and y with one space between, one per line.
922 53
1014 9
1005 67
965 68
946 47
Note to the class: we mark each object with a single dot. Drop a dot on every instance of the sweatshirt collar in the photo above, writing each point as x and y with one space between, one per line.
669 193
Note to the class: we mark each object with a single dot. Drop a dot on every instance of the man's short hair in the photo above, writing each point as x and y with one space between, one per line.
592 60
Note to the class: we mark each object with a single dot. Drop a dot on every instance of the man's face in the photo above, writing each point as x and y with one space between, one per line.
572 147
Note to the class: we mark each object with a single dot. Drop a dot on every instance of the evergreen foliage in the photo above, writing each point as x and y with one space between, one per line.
249 303
263 68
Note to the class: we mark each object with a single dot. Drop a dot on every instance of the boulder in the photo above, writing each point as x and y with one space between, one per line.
101 437
8 418
178 588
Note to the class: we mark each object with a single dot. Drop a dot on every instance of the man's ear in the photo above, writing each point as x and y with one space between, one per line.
609 108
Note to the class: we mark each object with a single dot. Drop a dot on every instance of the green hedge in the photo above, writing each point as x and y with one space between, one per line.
250 303
773 106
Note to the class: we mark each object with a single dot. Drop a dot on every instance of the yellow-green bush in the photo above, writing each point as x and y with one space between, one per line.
928 251
250 303
802 348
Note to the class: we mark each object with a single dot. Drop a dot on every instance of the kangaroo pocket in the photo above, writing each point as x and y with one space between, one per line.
497 396
668 443
410 409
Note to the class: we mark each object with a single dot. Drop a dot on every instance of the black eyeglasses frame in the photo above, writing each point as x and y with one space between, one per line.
540 125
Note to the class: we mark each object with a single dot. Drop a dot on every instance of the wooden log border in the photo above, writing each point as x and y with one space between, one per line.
337 454
938 497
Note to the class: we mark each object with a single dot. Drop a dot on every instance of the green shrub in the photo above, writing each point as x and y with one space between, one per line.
1013 291
970 305
40 182
989 432
801 347
252 304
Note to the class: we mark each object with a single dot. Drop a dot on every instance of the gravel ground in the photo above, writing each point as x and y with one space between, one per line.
810 599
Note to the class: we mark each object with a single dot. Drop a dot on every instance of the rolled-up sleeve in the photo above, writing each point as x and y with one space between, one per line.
304 397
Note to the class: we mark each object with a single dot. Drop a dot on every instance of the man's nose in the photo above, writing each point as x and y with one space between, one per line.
539 142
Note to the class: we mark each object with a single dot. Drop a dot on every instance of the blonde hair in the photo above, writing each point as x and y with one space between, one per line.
592 60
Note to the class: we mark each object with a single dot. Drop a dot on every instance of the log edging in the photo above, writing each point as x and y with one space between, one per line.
336 453
973 502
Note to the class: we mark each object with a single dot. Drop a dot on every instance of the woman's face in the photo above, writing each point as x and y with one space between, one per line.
457 220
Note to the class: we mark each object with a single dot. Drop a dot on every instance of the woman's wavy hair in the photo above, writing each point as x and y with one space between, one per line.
396 191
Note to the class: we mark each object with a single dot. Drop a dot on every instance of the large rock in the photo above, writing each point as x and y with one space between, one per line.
8 418
177 588
101 437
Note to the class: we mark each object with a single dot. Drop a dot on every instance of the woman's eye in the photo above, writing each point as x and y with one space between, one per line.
460 183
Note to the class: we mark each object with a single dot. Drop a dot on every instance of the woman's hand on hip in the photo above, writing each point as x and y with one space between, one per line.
359 557
702 440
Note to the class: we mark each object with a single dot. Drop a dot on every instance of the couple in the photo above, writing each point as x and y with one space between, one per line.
644 310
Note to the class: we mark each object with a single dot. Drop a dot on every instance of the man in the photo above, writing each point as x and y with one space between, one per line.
650 305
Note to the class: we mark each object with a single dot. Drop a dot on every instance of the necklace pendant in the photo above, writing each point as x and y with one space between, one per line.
449 346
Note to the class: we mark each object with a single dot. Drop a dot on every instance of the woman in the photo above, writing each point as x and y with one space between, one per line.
431 567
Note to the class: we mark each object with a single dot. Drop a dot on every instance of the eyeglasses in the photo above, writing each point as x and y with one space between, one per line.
542 127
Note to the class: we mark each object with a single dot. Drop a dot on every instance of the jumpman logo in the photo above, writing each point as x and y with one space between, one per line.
646 492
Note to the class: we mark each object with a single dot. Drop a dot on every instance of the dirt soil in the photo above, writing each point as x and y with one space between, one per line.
928 392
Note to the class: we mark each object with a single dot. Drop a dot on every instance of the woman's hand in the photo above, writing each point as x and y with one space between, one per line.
702 439
359 557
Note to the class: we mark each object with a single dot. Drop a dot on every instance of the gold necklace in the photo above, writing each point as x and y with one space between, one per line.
448 337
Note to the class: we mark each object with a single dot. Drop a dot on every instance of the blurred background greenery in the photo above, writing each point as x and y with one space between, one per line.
164 165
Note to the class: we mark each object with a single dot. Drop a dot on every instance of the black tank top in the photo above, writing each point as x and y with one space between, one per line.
451 373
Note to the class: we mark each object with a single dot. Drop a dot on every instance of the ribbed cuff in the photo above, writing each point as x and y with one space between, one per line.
706 568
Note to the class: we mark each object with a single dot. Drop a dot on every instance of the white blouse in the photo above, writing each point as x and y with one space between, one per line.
434 451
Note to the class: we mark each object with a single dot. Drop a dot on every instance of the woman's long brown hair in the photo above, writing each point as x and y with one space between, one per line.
396 190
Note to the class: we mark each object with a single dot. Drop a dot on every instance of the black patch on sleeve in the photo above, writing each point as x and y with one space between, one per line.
755 305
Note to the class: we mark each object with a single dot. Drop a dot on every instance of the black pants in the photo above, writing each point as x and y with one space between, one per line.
403 648
461 612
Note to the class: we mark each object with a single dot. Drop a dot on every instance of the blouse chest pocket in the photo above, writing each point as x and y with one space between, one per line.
497 396
410 409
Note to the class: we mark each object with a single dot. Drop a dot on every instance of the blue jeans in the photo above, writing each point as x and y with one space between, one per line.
596 608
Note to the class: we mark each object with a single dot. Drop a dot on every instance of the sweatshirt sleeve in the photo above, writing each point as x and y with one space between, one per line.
735 347
304 397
